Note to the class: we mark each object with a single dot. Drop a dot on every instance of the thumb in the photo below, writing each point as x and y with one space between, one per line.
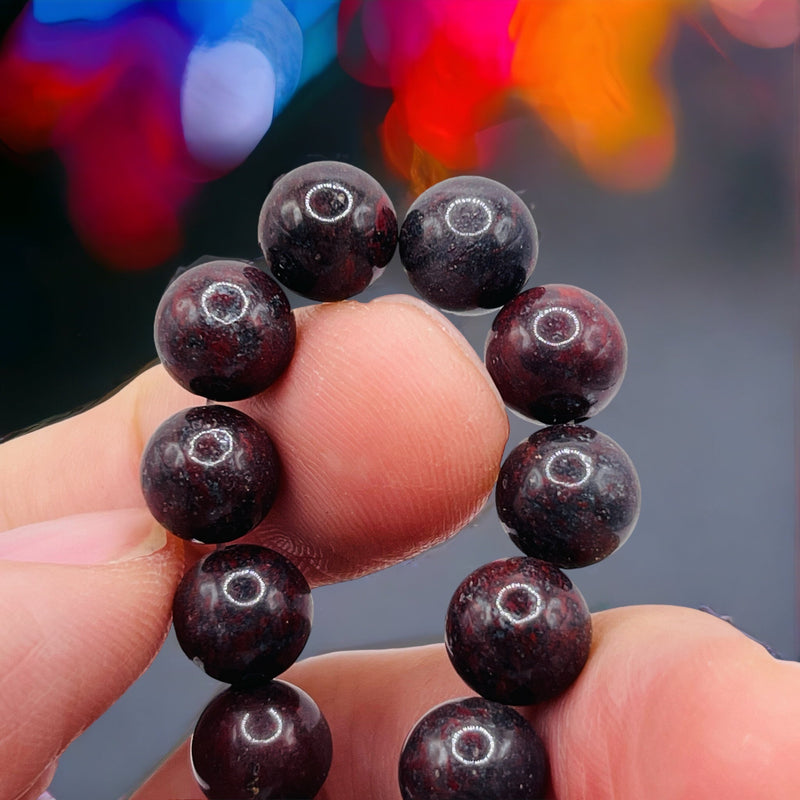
85 602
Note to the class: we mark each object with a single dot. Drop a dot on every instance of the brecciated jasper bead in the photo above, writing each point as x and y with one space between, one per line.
243 613
224 330
327 230
568 495
210 473
473 749
266 742
518 631
468 244
557 354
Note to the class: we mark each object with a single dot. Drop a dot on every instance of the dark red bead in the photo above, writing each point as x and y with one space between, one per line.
468 243
473 749
556 354
268 742
327 230
243 613
518 631
224 330
568 495
210 473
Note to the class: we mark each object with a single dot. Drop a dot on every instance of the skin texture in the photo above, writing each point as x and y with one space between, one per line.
673 704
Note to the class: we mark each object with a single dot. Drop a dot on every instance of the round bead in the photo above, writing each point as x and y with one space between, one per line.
468 244
327 230
224 330
472 749
268 742
518 631
242 613
210 473
557 354
568 495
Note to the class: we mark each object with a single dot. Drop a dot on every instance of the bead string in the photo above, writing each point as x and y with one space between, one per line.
517 630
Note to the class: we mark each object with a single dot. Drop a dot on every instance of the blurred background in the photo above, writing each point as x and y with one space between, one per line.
656 143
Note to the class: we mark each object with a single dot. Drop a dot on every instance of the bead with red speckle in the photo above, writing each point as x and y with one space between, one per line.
468 244
557 354
224 330
243 613
518 631
327 230
473 749
210 473
568 495
267 742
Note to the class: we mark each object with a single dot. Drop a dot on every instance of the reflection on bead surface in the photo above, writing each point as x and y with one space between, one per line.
557 354
210 473
518 631
224 330
472 749
468 243
568 495
266 742
243 613
327 230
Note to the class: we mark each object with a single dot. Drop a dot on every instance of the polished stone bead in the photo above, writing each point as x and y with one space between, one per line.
468 244
224 330
267 742
473 749
557 354
243 613
518 631
568 495
210 473
327 230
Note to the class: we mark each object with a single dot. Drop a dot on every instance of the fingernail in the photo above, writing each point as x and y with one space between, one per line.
103 537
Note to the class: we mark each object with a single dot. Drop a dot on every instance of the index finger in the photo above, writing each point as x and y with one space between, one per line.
389 430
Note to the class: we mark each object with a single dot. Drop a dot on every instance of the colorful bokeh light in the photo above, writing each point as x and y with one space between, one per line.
145 101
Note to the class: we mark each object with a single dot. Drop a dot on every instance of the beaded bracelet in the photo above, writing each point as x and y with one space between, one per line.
517 631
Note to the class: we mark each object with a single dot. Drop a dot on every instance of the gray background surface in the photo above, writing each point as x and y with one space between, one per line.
700 273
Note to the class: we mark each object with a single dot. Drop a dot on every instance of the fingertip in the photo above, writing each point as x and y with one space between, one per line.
388 427
82 636
390 434
438 319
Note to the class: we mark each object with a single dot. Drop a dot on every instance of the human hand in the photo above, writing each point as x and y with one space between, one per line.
672 703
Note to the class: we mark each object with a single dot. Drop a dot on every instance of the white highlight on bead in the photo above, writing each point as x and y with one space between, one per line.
531 591
541 316
245 572
565 452
336 187
222 439
472 201
276 718
455 741
225 317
